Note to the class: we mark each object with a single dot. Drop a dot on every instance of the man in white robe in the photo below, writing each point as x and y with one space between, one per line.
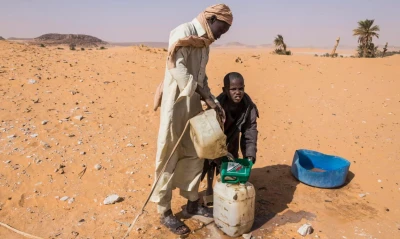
184 86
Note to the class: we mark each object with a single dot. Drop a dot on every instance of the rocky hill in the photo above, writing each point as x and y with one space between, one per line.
67 39
1 38
19 39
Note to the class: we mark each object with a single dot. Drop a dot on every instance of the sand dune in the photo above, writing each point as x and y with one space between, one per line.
63 112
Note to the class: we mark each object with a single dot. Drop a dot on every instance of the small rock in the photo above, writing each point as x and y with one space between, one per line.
71 200
75 234
379 181
305 230
157 228
247 236
80 142
65 198
31 81
82 153
129 145
11 136
361 195
34 135
45 145
111 199
78 117
97 166
44 122
8 161
122 212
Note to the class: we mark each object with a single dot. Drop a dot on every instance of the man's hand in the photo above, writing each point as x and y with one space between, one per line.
217 107
221 113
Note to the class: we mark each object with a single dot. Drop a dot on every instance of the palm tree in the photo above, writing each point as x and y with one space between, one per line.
365 32
279 42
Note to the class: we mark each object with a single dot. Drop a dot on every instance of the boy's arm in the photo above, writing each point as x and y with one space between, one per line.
248 141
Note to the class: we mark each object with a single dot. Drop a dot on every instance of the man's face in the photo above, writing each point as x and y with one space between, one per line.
235 91
219 28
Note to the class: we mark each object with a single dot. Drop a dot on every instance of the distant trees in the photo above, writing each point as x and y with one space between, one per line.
281 46
366 31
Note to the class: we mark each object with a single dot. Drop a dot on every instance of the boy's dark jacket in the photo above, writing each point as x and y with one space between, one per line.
246 124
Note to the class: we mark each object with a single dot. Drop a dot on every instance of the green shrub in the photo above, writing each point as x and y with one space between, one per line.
72 47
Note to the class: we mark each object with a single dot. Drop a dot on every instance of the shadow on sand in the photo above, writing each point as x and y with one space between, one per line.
275 186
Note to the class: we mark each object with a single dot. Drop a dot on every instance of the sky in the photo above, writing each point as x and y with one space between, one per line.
303 23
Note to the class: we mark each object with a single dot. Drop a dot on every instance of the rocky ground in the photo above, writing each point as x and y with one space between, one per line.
77 127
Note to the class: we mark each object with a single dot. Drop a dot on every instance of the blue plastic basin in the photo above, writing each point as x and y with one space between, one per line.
318 169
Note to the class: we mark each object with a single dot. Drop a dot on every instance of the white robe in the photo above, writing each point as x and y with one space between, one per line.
179 103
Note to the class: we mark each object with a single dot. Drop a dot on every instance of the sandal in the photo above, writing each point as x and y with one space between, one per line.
208 200
194 208
174 224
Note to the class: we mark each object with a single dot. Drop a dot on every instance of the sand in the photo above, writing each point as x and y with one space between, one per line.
95 107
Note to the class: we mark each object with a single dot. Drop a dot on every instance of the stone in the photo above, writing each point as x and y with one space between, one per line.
305 229
113 198
44 122
65 198
82 153
129 145
31 81
11 136
97 166
361 195
34 135
71 200
45 145
247 236
78 117
8 161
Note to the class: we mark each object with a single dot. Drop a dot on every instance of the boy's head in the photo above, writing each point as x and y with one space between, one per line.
234 87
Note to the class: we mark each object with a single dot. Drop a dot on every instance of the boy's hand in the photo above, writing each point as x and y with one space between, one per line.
251 159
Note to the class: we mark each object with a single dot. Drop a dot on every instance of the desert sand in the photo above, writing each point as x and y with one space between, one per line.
65 111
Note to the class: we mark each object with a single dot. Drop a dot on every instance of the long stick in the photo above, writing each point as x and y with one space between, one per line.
158 178
19 232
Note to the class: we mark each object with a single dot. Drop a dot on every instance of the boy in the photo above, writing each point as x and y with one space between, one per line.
241 118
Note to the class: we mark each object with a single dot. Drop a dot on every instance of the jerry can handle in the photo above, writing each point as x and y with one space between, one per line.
236 180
